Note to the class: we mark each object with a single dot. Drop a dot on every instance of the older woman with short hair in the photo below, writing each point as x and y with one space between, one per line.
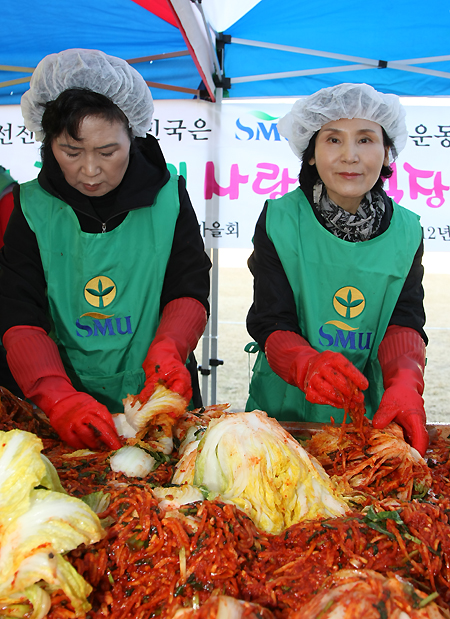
104 278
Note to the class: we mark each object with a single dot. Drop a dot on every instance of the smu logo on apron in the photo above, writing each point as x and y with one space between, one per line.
100 291
349 302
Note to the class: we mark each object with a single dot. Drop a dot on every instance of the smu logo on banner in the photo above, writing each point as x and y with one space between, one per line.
349 302
263 129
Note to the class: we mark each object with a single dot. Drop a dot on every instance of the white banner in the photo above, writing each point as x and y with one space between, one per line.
234 159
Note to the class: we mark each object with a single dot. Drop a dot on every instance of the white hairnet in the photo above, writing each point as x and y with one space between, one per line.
311 113
92 69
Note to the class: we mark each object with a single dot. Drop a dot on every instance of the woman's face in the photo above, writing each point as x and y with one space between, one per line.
349 155
96 163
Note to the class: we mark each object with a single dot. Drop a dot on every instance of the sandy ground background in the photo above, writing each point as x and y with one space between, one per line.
235 297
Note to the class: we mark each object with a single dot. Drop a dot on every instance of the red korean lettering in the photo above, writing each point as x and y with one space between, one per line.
270 175
435 193
212 187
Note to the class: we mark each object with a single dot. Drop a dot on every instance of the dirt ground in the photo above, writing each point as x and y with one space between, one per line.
235 296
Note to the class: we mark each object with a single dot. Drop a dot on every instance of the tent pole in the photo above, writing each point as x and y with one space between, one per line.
210 360
244 79
212 49
286 74
214 361
364 63
20 80
204 369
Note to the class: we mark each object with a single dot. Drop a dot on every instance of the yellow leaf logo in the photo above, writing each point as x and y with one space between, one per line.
100 291
349 302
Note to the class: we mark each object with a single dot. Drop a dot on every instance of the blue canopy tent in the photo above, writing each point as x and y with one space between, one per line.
266 50
165 41
294 48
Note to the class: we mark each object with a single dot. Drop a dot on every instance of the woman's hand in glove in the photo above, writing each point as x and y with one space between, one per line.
83 422
182 323
402 359
404 405
330 379
36 365
163 365
325 378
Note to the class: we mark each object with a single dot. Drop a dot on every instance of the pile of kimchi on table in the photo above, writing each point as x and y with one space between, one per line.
209 513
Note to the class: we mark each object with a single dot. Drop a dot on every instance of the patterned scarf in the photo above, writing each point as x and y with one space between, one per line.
355 228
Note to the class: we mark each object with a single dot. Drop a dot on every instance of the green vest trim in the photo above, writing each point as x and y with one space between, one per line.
104 289
344 293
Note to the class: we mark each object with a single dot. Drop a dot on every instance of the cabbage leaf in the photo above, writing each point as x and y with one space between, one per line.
32 603
174 497
21 470
50 480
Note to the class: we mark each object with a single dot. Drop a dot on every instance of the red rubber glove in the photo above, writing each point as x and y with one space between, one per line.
325 378
402 358
36 365
182 324
6 207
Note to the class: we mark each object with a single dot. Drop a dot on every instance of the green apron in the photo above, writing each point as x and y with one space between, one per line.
344 293
104 289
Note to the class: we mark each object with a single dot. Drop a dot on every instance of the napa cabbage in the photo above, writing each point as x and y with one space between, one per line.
249 460
37 527
162 408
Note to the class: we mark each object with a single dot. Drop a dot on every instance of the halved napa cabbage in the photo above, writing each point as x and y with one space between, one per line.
36 527
21 470
55 522
367 593
248 459
162 408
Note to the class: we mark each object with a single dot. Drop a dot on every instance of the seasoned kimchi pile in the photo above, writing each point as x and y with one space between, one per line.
195 536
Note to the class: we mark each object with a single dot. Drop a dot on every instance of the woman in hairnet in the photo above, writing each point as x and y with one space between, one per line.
104 277
338 298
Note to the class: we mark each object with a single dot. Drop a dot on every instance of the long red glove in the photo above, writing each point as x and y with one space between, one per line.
36 365
402 358
325 378
182 324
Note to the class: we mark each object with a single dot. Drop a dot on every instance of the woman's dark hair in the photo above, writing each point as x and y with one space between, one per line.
67 111
309 175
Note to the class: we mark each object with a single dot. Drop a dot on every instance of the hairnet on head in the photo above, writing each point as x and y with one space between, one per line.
96 71
311 113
